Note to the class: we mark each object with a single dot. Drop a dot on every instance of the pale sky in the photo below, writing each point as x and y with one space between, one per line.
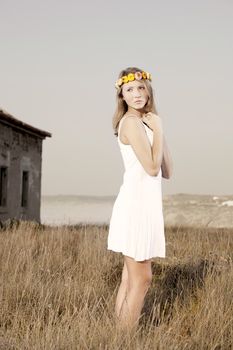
59 63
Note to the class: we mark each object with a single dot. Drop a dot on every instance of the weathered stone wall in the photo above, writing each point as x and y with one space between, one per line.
21 151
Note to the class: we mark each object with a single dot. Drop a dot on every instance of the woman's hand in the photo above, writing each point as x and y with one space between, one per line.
153 121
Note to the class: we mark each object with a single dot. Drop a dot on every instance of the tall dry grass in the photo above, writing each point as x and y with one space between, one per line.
58 290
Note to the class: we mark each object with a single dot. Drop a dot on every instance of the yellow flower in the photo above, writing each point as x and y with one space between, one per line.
125 79
144 75
130 76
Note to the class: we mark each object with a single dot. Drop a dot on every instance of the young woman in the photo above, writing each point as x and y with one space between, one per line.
136 226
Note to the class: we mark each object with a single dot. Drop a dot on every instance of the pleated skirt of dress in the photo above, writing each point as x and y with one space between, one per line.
137 226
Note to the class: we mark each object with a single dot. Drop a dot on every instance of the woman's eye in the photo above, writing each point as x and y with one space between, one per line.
141 87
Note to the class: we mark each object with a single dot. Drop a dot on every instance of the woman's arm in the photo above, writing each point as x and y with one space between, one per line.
167 164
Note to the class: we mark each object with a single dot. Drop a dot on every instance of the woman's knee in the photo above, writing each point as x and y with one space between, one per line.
141 281
138 274
147 278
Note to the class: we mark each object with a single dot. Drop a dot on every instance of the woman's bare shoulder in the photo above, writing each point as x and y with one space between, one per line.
131 124
130 119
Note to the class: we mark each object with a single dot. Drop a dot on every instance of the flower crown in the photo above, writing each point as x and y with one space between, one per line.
132 76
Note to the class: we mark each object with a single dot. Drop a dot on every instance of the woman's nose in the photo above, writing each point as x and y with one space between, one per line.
137 93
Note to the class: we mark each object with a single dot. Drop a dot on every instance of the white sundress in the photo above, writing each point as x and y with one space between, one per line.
136 227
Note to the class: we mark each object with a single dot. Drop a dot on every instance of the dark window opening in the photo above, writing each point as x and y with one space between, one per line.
3 186
24 197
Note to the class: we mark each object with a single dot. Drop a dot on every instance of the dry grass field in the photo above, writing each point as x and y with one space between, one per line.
58 288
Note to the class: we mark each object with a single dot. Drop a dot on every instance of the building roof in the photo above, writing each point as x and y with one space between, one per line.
8 119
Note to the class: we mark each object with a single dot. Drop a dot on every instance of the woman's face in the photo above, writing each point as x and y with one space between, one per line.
135 94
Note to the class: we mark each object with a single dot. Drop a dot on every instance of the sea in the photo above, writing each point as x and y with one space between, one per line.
178 209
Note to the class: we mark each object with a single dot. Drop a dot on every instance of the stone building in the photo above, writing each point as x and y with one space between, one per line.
20 169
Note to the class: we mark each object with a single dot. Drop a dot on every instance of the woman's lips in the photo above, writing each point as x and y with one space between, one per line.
138 101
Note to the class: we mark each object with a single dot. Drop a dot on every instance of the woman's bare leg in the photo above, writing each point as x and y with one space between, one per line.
122 290
139 280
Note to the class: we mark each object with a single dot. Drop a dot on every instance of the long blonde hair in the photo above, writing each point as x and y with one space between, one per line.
122 106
